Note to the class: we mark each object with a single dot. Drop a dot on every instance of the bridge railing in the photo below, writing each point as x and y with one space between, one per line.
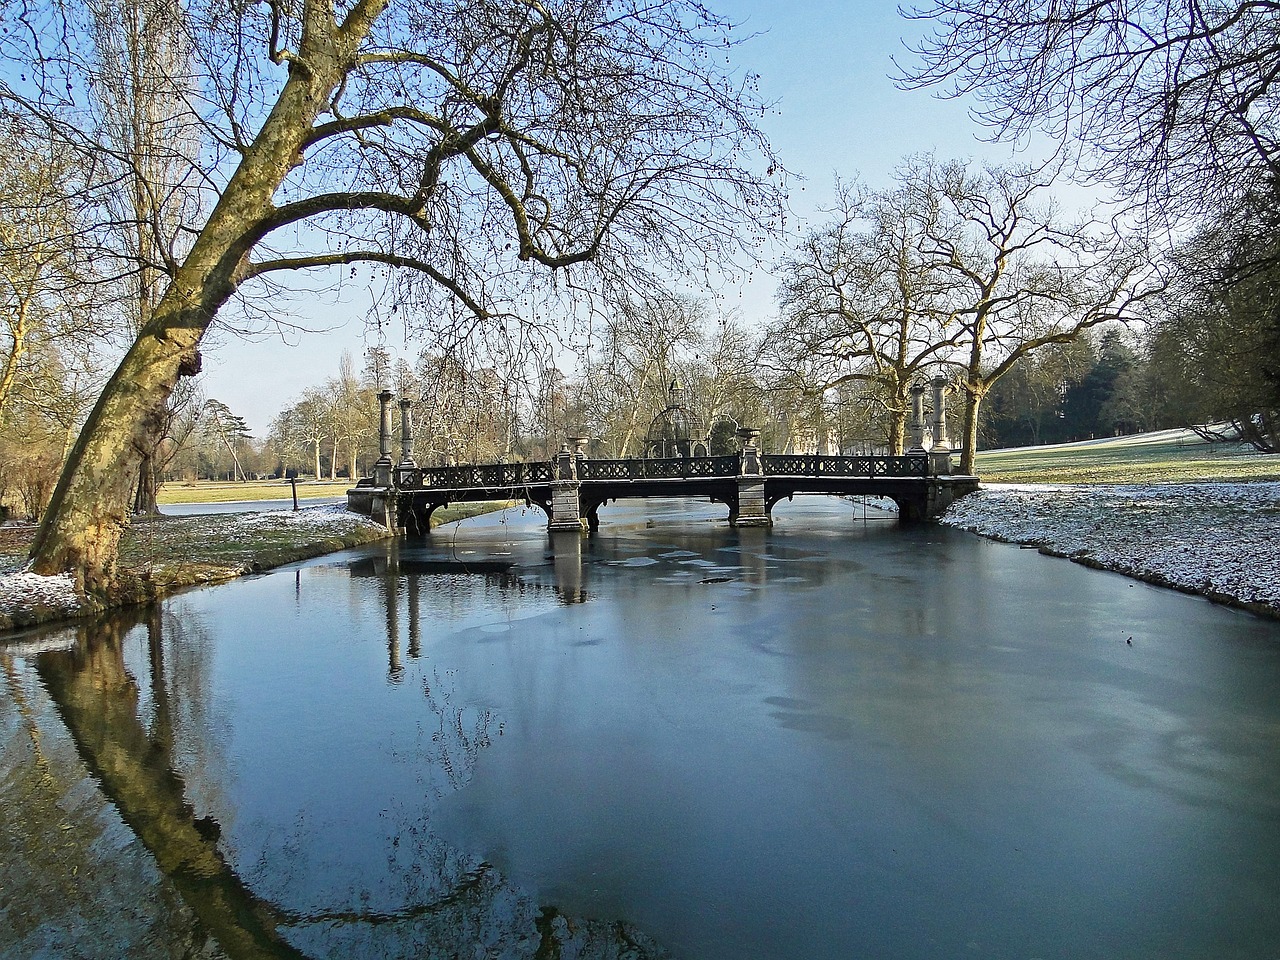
678 468
813 465
500 476
493 476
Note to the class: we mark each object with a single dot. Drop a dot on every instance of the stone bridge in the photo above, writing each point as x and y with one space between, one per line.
571 488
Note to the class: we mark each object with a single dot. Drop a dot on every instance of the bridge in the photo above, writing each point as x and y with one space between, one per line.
571 488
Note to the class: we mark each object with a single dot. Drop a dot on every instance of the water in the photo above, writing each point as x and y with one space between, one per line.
835 739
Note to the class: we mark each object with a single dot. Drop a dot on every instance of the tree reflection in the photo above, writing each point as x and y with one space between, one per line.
98 701
135 739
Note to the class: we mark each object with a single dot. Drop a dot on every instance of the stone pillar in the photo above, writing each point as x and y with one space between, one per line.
752 511
406 431
940 452
406 466
915 440
566 464
940 390
749 437
566 508
382 469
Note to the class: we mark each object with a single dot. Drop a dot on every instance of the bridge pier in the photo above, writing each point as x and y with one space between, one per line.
566 505
753 510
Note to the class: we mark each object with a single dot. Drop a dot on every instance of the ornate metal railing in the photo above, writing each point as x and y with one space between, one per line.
512 476
678 468
812 465
491 476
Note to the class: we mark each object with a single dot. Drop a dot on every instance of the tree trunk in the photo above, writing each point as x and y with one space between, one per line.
973 394
18 331
81 530
144 498
897 432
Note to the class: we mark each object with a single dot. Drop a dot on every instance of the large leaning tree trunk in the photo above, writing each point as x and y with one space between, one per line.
472 152
81 529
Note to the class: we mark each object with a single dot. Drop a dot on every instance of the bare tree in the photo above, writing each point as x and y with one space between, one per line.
650 342
222 428
354 413
1023 278
1169 102
461 143
1215 339
146 145
295 434
45 281
863 299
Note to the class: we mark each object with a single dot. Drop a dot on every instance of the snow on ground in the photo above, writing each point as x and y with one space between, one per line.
23 590
325 518
1221 540
23 593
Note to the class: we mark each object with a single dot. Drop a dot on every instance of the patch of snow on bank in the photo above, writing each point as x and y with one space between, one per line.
325 516
23 590
1217 539
326 520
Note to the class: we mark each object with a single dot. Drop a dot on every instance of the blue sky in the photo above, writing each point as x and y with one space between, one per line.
826 64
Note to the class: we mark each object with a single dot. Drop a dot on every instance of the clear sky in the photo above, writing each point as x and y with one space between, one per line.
825 62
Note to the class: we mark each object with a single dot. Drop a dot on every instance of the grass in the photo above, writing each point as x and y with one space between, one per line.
212 491
1168 456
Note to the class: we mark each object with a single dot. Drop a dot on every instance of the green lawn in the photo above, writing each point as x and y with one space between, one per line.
209 491
1163 457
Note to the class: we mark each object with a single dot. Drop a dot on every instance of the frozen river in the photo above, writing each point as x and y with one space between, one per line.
837 739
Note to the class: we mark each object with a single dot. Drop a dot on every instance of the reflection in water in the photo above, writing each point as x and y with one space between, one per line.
73 883
811 741
566 549
449 904
98 701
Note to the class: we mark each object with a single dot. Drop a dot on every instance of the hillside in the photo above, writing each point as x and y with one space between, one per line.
1160 457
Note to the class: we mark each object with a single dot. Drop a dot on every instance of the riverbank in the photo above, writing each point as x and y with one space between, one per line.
160 555
1218 540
